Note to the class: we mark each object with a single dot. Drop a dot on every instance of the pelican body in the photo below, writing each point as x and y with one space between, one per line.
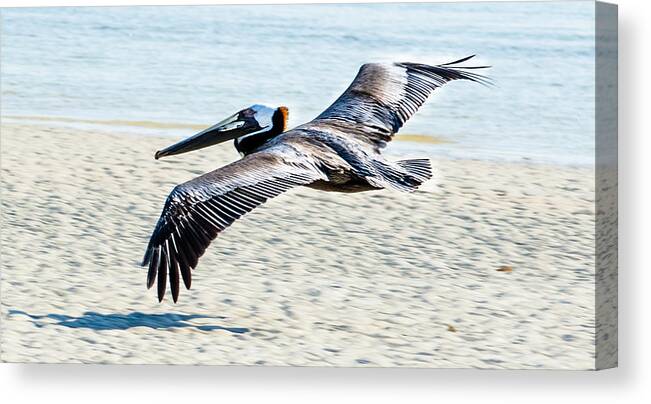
339 151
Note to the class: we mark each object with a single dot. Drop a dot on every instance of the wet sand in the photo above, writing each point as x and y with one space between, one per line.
491 265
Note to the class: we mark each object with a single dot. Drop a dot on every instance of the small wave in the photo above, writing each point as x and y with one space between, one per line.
109 122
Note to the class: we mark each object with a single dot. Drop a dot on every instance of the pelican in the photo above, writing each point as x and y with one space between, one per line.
338 151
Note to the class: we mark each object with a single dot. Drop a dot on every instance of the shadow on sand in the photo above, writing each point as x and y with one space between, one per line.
97 321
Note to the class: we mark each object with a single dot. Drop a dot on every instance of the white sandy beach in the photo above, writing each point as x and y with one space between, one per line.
310 278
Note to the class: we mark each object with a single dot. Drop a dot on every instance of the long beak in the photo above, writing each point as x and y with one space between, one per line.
230 128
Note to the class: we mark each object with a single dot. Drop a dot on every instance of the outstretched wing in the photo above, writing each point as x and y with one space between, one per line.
384 96
197 211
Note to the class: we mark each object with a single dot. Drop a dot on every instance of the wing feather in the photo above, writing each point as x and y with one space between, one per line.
383 96
197 211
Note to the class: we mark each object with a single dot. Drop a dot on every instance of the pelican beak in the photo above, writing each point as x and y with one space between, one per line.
230 128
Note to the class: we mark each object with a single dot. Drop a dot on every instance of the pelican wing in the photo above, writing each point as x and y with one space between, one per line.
197 211
384 96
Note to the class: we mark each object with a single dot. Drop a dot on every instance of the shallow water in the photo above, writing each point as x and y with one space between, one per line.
104 67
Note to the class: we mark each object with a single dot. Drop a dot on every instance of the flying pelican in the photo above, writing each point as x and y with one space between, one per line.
338 151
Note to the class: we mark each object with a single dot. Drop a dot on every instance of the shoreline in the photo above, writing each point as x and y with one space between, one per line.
402 144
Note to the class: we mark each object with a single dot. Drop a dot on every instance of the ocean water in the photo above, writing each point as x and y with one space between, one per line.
170 70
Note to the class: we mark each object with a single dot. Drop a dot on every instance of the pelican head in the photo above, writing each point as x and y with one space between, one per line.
257 122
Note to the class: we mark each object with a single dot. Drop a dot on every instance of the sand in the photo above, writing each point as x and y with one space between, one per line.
309 279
